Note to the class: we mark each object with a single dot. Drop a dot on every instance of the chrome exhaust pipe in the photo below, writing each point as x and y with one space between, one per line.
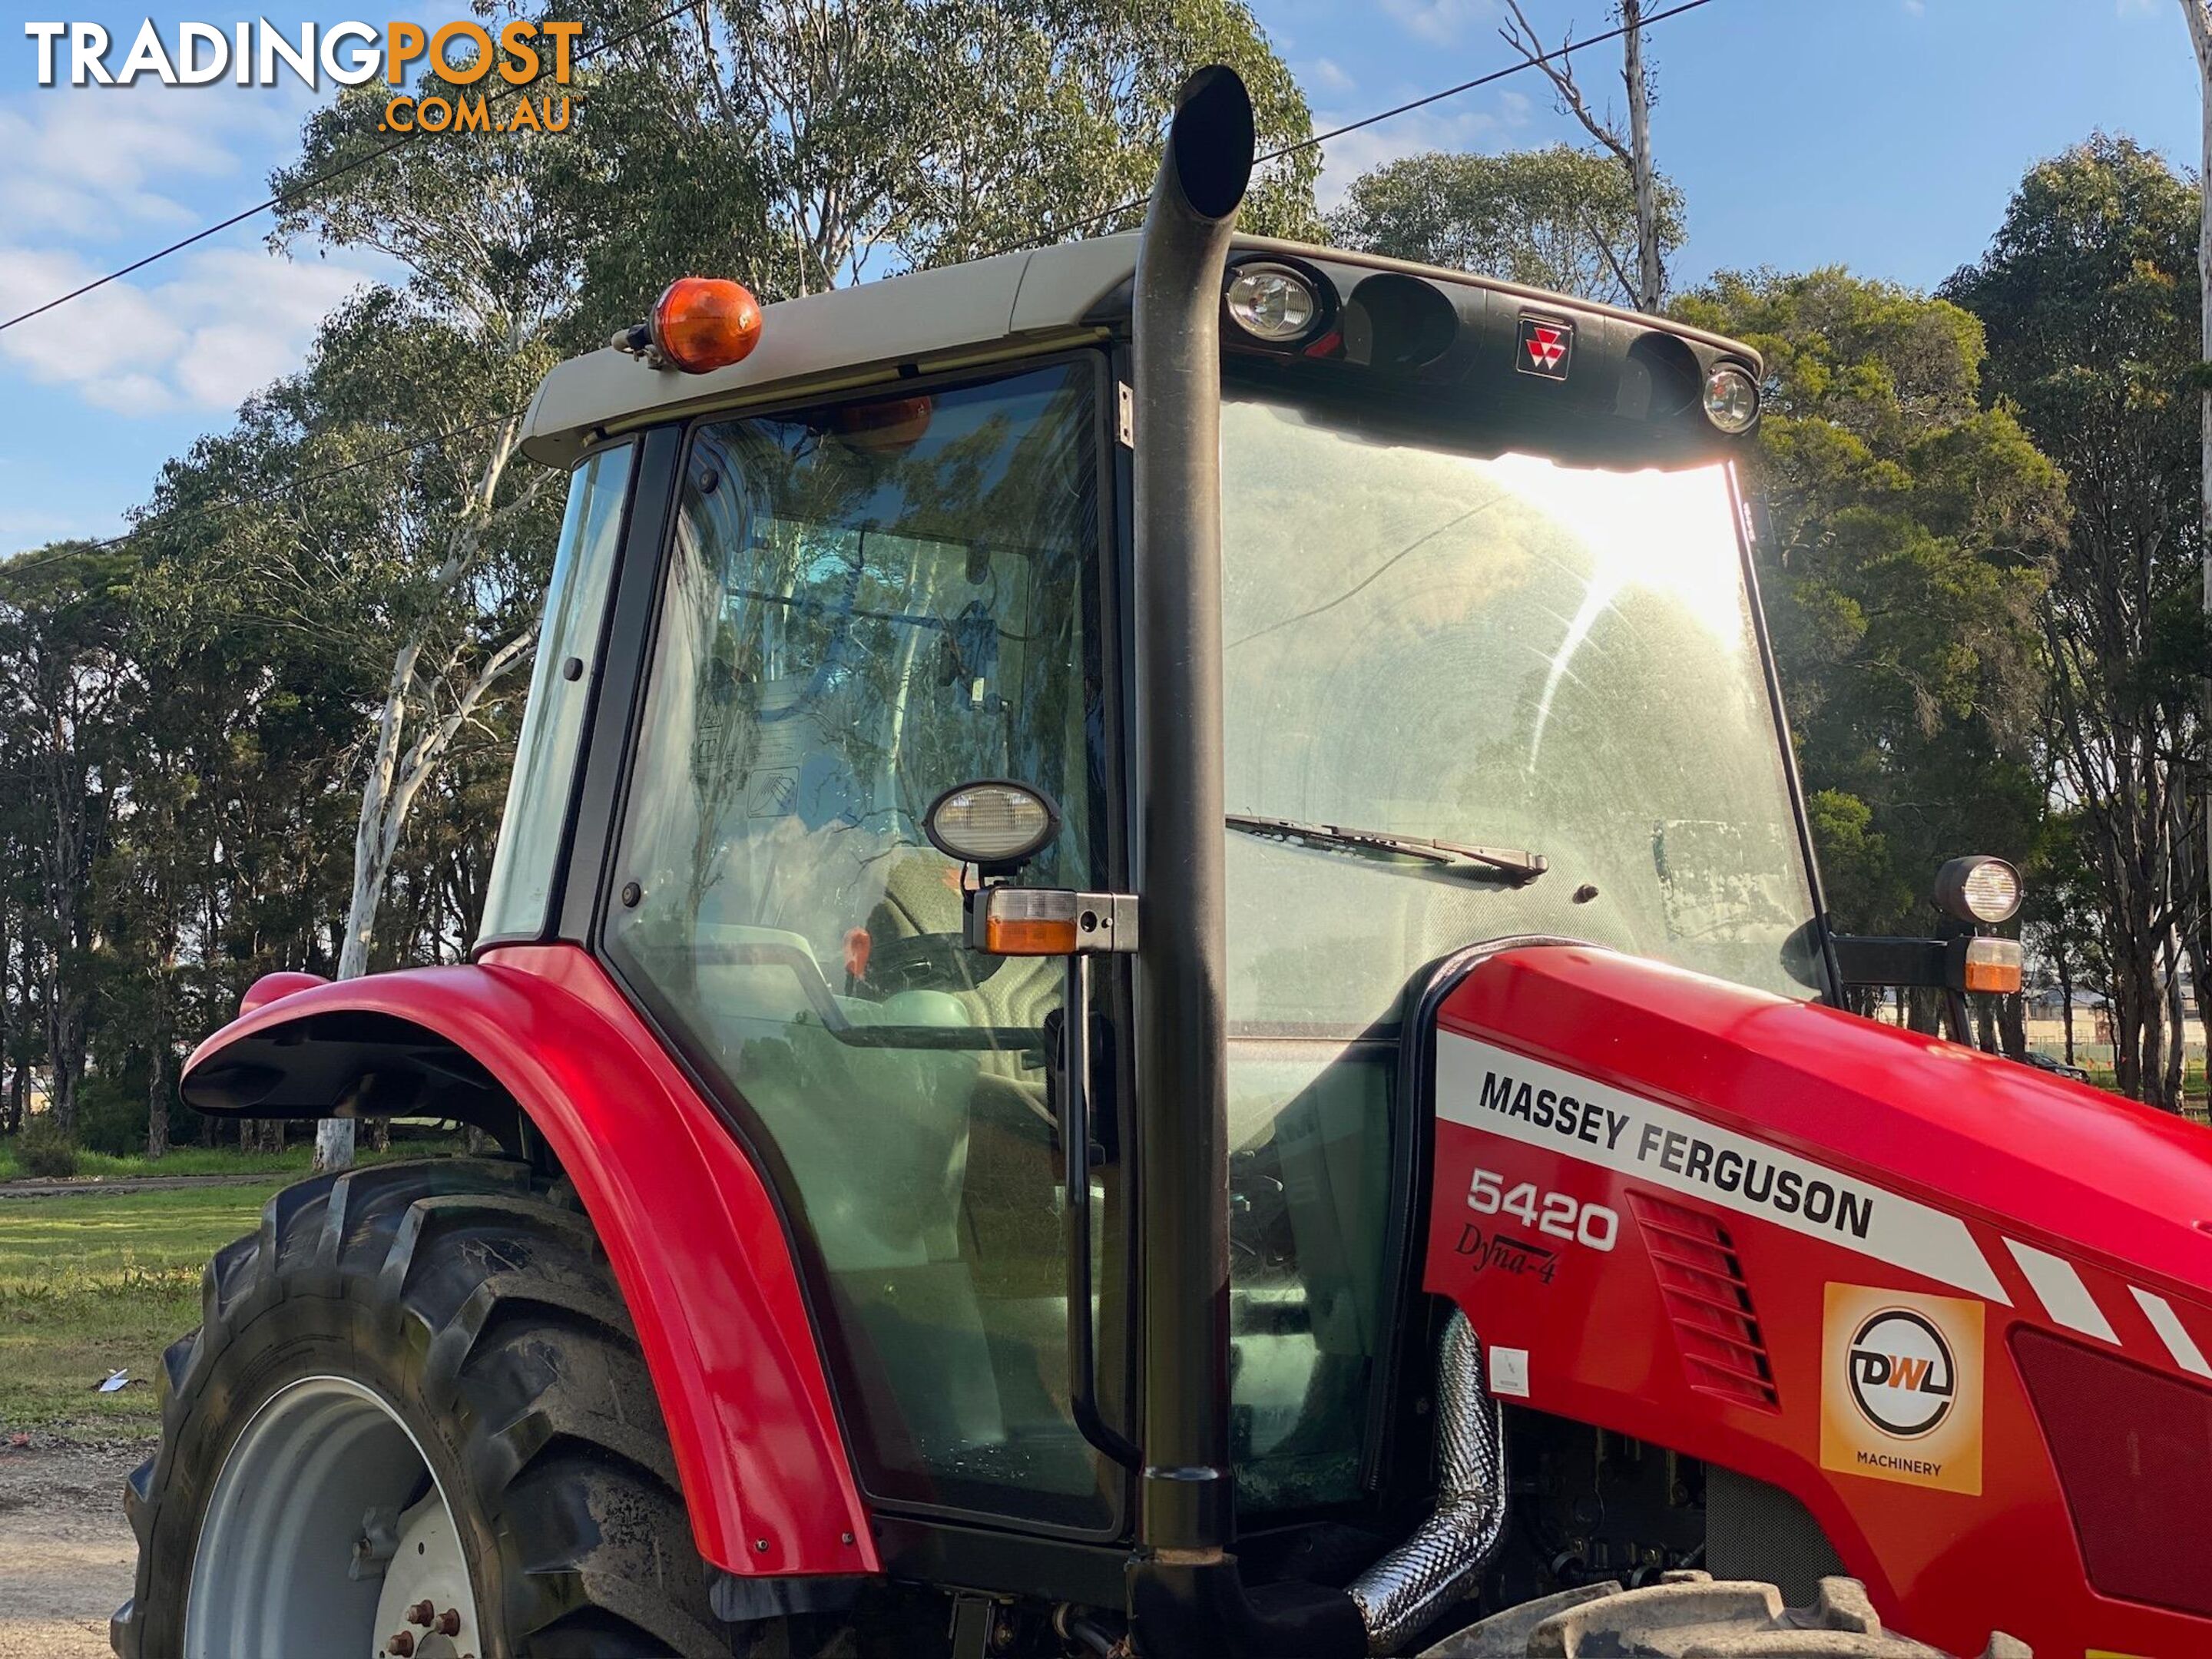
1410 1587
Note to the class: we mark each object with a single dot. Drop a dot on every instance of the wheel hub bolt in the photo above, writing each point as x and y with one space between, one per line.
422 1612
401 1646
449 1622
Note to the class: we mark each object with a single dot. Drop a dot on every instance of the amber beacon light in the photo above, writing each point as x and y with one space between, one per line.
699 324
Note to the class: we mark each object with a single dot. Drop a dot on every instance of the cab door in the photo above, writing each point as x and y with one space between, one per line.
863 602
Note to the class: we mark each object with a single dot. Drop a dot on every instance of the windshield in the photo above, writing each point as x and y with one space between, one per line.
1502 652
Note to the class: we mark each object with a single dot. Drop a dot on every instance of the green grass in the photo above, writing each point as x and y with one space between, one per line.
90 1284
184 1160
214 1161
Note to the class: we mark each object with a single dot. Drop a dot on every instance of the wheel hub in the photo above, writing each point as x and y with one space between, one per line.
325 1528
426 1610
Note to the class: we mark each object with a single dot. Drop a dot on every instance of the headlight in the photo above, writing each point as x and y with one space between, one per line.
1272 302
1980 889
1731 399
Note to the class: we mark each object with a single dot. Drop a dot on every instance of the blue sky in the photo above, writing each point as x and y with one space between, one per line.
1885 135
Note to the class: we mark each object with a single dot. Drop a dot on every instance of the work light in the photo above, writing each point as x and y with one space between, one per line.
1272 302
991 822
1731 399
1977 889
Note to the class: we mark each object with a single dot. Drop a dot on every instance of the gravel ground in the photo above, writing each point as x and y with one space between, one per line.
66 1553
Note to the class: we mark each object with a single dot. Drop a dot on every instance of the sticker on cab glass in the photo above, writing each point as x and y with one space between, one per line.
1901 1388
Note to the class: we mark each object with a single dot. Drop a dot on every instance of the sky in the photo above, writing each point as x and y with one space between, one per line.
1883 135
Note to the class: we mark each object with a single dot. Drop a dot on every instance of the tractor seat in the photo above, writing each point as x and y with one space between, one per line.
1010 1226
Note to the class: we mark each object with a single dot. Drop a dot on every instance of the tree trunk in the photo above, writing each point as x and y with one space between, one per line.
157 1100
2066 999
1649 278
2012 1026
2177 1027
2200 36
1923 1010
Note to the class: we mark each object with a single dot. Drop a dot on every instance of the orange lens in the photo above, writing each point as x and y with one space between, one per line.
1993 976
1029 936
702 323
1993 965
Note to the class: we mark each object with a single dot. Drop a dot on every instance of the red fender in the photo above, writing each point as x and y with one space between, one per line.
694 1240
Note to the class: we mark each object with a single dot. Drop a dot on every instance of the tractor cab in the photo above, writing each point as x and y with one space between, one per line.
1490 668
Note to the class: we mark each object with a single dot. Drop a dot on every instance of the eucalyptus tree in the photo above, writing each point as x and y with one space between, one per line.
1630 149
1557 218
1907 536
66 684
2089 294
800 145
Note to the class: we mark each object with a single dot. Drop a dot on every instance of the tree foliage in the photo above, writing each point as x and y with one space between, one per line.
2089 294
1908 534
1559 218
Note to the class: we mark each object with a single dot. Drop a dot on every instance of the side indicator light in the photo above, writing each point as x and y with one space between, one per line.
1993 965
1030 921
1050 922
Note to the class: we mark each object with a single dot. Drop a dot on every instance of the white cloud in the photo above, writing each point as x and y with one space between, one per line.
1439 22
202 334
100 176
89 164
1326 75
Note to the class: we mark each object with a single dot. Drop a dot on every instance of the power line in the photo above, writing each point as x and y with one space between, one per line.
310 185
1567 50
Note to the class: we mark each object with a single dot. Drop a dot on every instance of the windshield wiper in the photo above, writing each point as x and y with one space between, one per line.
1477 863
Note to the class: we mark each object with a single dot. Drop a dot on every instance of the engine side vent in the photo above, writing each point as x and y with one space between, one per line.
2134 1452
1716 1330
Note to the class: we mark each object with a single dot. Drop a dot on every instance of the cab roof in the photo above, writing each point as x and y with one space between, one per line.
956 317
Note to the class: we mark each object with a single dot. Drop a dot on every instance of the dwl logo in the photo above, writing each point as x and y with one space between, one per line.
1901 1376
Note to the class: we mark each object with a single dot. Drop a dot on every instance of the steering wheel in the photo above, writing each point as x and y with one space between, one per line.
928 962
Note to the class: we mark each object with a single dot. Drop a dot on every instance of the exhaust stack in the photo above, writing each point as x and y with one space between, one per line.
1186 1594
1185 1500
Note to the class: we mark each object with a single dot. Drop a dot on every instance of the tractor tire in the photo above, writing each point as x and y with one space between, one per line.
457 1305
1687 1615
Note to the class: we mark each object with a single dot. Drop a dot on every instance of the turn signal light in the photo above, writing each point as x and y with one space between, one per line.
1030 921
1993 965
1050 922
703 323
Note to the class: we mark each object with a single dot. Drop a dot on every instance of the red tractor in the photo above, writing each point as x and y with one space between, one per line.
1154 986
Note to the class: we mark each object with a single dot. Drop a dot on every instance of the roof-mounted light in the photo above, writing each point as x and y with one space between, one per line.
1731 399
1272 303
699 324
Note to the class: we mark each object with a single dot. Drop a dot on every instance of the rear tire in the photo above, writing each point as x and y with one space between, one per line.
477 1311
1690 1615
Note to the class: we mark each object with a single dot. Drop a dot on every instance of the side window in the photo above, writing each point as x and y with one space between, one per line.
545 757
865 605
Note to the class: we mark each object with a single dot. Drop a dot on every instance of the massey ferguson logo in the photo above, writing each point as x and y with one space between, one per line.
1902 1379
1546 348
